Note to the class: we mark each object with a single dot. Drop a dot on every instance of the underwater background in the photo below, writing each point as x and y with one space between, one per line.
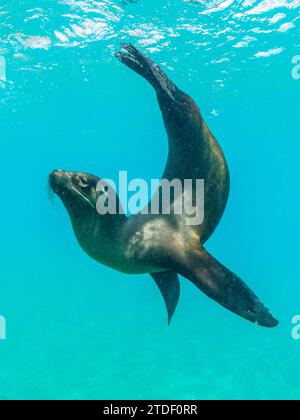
79 330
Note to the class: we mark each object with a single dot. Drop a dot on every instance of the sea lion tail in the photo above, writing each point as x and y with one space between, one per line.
169 286
225 287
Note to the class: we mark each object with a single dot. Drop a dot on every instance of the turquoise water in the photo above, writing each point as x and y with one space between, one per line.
76 329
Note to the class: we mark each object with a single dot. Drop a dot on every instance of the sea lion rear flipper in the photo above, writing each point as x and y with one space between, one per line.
169 286
226 288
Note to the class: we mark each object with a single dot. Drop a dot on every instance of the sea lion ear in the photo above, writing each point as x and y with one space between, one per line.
225 287
169 286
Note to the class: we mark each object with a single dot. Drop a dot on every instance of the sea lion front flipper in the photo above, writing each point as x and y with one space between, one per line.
193 151
183 122
144 66
169 286
225 287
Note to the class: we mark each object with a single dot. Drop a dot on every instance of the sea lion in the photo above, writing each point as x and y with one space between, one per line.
164 245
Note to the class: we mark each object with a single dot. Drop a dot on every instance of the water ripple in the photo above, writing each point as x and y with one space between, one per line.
220 29
71 23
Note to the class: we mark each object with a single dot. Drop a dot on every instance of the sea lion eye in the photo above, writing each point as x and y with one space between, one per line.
83 182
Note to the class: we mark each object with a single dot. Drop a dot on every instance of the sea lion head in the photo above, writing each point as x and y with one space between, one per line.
78 191
94 231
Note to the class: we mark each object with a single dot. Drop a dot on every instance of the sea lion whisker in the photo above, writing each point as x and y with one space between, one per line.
82 196
51 194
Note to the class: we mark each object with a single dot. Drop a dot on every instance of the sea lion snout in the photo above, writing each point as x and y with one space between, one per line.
58 180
